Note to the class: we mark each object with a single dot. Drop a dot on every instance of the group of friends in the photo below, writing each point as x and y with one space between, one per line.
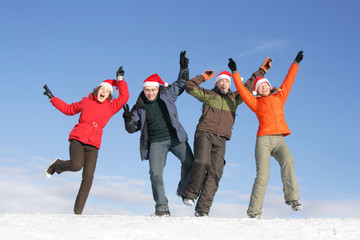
155 115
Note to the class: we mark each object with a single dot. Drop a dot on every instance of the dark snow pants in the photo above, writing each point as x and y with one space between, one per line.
81 156
207 169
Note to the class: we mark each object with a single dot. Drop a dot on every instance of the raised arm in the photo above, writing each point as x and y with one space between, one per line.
290 77
123 97
67 109
177 87
193 85
246 96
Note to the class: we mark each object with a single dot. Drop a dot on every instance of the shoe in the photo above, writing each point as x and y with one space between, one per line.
201 214
255 216
51 170
295 205
187 201
159 213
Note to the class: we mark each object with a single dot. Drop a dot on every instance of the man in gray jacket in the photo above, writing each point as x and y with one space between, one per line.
155 114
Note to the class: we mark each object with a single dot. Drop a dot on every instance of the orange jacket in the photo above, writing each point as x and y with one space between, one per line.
269 110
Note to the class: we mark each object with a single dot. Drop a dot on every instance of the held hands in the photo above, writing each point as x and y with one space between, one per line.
47 92
184 61
232 65
266 64
120 74
127 114
208 74
299 57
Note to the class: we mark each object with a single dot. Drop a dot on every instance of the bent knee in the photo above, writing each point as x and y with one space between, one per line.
76 167
155 177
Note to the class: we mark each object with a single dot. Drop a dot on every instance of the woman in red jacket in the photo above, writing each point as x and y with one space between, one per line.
85 138
268 105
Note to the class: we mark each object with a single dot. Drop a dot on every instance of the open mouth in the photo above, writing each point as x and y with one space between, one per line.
224 89
101 96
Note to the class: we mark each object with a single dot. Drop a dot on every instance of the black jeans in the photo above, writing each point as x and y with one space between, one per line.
81 156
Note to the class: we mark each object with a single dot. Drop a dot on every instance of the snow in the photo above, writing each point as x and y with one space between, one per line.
66 226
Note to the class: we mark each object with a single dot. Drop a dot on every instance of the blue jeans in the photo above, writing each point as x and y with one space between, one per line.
157 161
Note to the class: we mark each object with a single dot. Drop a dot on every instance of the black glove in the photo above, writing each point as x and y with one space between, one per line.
127 114
232 65
47 92
266 64
299 57
184 61
120 72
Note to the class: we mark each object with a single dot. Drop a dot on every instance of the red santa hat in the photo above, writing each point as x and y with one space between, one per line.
259 81
222 75
109 84
154 81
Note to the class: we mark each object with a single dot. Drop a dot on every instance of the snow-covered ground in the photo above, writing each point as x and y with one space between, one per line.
66 226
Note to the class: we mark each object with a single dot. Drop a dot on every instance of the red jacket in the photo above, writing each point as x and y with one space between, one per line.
94 115
269 110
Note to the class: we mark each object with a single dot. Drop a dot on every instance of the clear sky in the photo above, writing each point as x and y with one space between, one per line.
72 46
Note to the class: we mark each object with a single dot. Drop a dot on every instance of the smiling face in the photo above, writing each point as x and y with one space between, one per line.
263 89
103 93
223 85
151 92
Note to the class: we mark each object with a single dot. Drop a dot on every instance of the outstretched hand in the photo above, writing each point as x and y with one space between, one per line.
184 61
47 92
299 57
120 73
266 64
232 65
127 114
208 74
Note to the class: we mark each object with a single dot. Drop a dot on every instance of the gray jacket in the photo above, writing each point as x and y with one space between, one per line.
168 95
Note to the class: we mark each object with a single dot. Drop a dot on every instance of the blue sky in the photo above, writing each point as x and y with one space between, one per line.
74 45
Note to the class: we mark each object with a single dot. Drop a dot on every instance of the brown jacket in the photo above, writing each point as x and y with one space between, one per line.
218 111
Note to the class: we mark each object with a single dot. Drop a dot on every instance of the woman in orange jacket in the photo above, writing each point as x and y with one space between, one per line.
268 105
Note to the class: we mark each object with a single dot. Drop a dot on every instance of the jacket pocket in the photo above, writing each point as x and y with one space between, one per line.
95 135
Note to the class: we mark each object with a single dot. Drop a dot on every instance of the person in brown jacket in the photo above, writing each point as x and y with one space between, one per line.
212 132
268 105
